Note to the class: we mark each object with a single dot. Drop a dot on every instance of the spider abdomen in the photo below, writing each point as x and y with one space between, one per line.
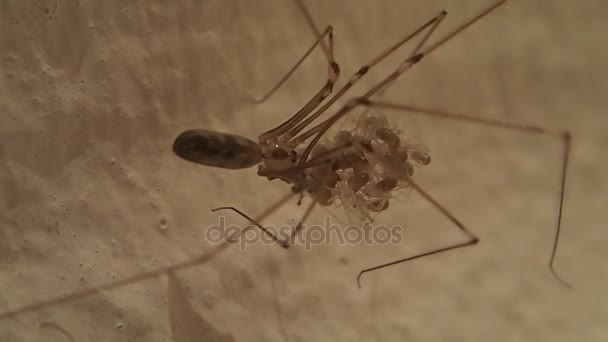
217 149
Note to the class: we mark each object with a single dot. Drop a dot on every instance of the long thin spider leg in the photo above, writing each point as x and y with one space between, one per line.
428 34
408 63
461 117
321 128
197 260
423 41
283 243
563 135
301 223
463 27
332 77
274 237
362 71
471 241
319 40
328 52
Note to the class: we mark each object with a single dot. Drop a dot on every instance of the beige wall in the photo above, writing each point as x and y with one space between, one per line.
93 93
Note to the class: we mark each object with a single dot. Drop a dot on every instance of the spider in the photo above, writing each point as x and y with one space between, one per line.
361 168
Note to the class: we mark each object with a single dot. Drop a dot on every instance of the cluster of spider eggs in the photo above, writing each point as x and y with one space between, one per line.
363 176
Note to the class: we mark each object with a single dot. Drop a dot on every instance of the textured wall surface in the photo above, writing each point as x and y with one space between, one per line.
92 94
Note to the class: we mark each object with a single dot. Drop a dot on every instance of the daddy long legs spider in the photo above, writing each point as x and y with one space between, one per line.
360 168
